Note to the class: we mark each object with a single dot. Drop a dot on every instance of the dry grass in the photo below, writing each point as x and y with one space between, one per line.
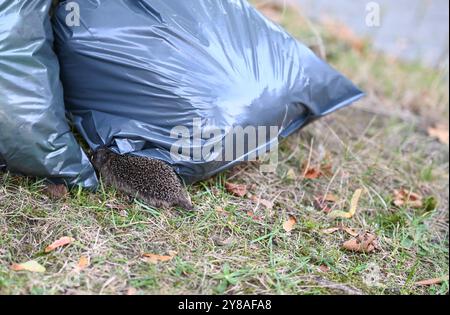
379 145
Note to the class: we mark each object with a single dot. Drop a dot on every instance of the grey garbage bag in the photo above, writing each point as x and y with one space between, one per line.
35 138
2 164
154 78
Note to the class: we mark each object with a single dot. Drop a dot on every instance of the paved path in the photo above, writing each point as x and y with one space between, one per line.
410 29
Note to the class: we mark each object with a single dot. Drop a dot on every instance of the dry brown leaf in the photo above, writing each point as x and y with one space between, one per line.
238 190
353 207
440 132
31 266
429 282
154 259
324 268
404 198
83 263
289 225
63 241
312 173
363 243
56 192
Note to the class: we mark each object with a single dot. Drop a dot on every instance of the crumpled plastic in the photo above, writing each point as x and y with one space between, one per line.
35 138
136 71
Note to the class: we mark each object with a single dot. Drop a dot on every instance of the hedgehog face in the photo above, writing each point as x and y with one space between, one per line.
100 158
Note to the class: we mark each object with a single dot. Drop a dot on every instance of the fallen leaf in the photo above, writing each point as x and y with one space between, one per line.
363 243
63 241
154 259
32 266
429 282
238 190
289 225
312 173
440 133
83 263
404 198
324 268
353 207
56 192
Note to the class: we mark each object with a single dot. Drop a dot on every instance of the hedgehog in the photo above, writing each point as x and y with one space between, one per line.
150 180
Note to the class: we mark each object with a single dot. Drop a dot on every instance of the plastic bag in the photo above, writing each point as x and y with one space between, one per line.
35 138
172 80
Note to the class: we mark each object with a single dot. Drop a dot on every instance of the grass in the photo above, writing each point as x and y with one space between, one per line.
379 145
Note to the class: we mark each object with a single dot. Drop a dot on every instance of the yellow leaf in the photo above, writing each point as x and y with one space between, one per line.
32 266
353 207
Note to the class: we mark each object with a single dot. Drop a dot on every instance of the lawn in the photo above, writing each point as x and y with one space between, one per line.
280 238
